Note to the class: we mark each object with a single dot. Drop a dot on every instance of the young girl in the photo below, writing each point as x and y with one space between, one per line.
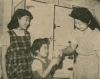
15 42
86 43
41 65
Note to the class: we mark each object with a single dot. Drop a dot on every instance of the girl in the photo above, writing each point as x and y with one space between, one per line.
41 65
15 42
86 43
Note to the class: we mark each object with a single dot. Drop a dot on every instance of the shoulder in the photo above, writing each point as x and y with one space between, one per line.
36 65
97 36
30 33
96 41
27 32
32 38
36 62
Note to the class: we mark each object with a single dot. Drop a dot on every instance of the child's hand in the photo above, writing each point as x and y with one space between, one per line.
60 52
57 53
55 61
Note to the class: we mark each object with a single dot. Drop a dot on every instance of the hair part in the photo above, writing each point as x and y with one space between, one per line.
37 44
17 15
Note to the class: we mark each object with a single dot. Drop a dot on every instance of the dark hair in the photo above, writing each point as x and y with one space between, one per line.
84 15
38 43
18 14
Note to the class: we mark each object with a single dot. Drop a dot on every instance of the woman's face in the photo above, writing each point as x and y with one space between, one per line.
82 26
24 22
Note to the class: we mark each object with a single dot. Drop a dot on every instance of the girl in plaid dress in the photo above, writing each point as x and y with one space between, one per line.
15 43
86 41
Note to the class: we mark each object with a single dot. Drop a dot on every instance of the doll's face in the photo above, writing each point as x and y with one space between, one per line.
24 22
82 26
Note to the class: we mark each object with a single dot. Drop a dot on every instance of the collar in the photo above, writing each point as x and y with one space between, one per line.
87 32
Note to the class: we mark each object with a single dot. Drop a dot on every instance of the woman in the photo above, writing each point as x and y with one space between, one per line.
86 43
16 61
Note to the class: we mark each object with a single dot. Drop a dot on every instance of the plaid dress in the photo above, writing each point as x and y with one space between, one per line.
18 59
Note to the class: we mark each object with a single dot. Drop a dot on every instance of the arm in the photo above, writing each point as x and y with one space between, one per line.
70 49
44 73
4 50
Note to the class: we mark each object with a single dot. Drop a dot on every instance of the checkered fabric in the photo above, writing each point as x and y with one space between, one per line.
18 60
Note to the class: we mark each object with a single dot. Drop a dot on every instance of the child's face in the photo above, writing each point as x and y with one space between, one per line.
24 22
44 50
80 25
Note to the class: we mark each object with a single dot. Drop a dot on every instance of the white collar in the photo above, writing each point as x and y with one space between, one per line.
19 33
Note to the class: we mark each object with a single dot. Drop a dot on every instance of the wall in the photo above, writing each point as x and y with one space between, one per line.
92 5
14 3
1 16
1 25
7 14
70 3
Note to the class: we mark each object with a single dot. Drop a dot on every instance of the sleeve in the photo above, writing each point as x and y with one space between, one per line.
73 39
5 40
96 42
36 65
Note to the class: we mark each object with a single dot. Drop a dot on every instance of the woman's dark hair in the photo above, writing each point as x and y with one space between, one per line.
18 14
38 43
84 15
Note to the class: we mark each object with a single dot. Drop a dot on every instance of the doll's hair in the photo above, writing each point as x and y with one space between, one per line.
37 44
18 14
84 15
